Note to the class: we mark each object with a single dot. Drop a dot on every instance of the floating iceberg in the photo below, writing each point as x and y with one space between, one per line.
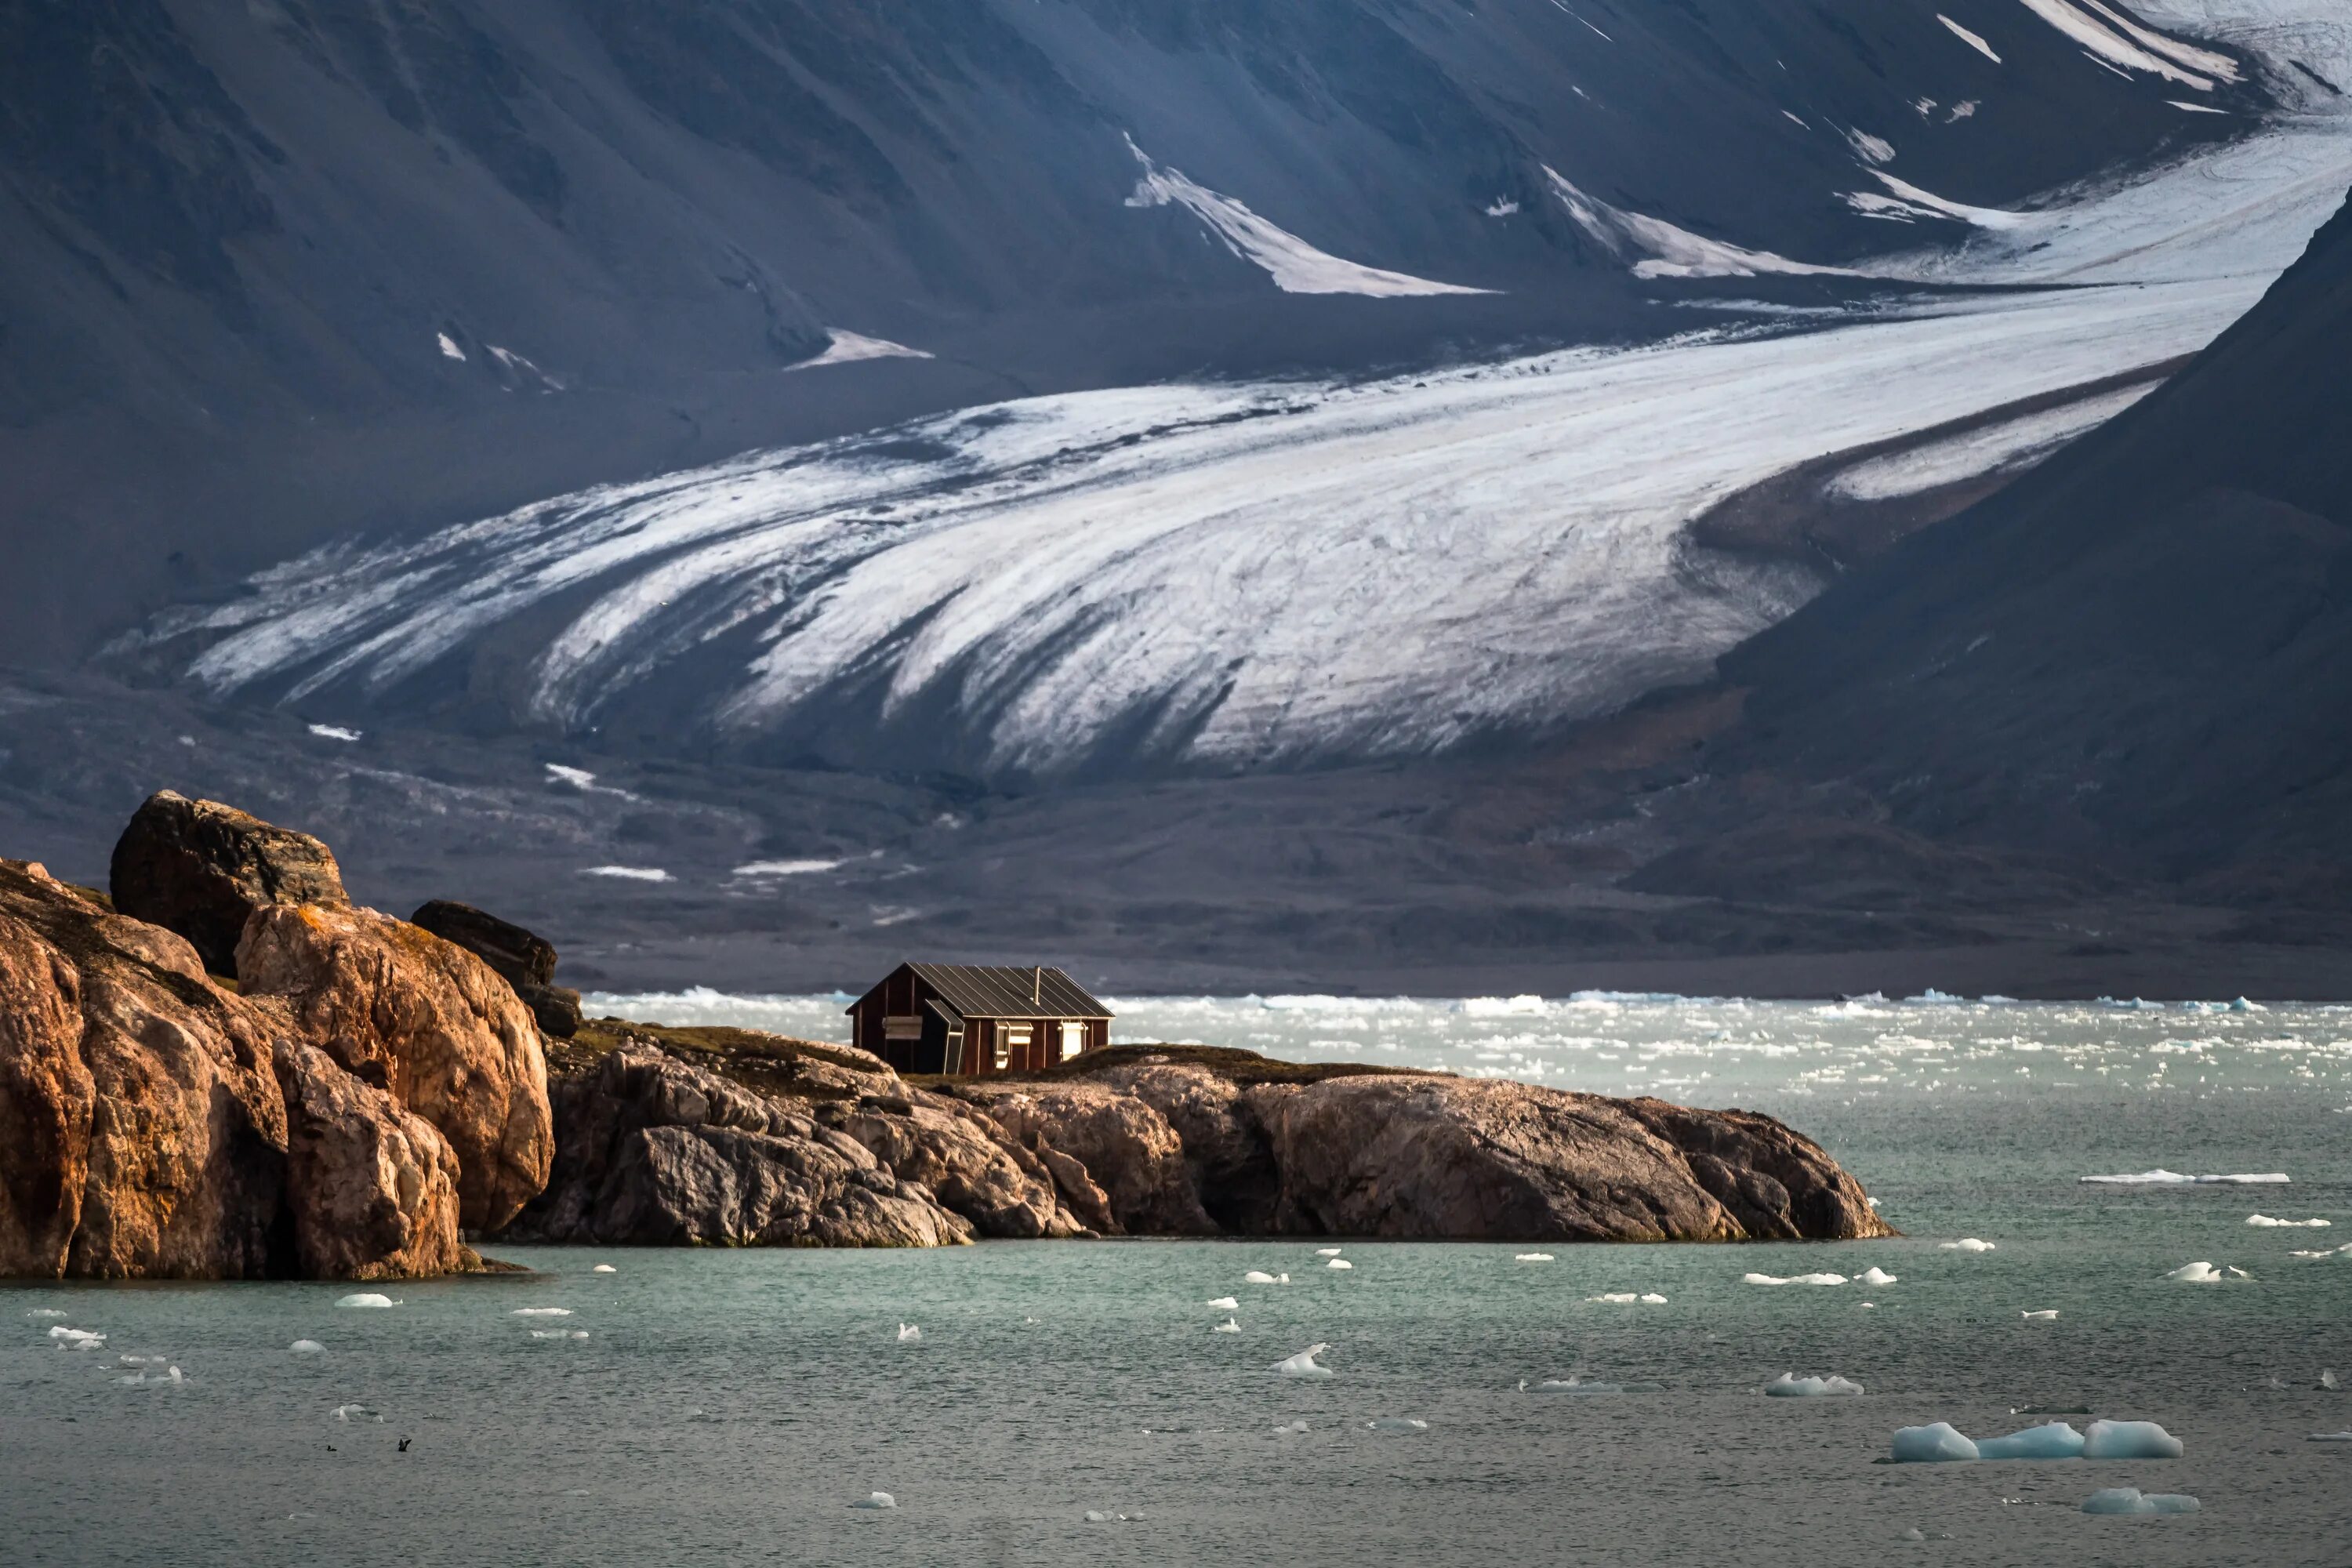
2051 1440
46 1312
909 1334
2196 1274
1789 1386
366 1298
540 1312
1258 1277
876 1500
1531 1258
2264 1221
2129 1440
1225 1304
2131 1500
1228 1327
75 1338
2047 1314
1652 1299
2163 1178
353 1413
1398 1423
1795 1279
1619 1297
1875 1276
1339 1263
1326 1252
169 1375
2343 1251
1939 1443
1290 1430
2328 1378
1303 1364
307 1347
1966 1244
604 1269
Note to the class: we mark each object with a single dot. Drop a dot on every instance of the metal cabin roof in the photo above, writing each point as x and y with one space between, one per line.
1003 991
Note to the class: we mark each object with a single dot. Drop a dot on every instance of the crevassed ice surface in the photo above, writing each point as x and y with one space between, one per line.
728 1406
1241 573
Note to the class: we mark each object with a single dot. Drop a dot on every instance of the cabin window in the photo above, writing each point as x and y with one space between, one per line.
1074 1040
1012 1037
903 1026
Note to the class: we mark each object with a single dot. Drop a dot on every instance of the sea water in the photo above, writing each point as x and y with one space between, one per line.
1072 1402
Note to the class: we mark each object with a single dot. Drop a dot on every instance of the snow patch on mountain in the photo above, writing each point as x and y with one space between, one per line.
1657 248
1295 267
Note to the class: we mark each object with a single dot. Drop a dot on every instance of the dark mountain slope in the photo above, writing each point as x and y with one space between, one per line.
2142 651
234 239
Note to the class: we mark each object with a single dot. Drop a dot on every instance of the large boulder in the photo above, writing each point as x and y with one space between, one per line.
525 961
201 869
372 1190
426 1021
656 1151
144 1119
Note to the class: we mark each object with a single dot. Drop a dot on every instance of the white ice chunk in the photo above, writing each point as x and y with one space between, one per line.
1618 1298
1579 1385
1303 1364
2051 1440
1971 39
1339 1263
2160 1177
2328 1378
2129 1440
1531 1258
1874 1275
876 1500
1230 1326
2047 1314
2196 1274
1225 1304
1788 1385
1652 1299
2130 1500
1326 1252
46 1312
76 1337
1795 1279
1258 1277
1966 1244
1398 1423
909 1334
351 1412
604 1269
1291 1429
307 1347
540 1312
1933 1443
2264 1221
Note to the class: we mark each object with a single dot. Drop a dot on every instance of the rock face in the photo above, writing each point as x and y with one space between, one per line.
372 1189
654 1151
144 1119
524 961
428 1022
1236 1144
201 869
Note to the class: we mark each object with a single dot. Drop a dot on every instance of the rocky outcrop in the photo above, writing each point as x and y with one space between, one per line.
1002 1187
1192 1141
426 1021
371 1189
522 960
1125 1147
656 1151
144 1119
200 868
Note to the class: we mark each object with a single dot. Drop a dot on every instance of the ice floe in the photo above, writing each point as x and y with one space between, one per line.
2047 1314
1966 1244
1339 1263
354 1413
876 1500
1230 1326
167 1375
909 1334
2051 1440
1295 267
1326 1252
1579 1385
1531 1258
2328 1378
77 1339
540 1312
2343 1251
2160 1177
47 1312
2198 1273
307 1347
1303 1364
1788 1385
1630 1297
1874 1275
1225 1304
1795 1279
1941 1442
1290 1429
2129 1440
1260 1277
2264 1221
2132 1500
1936 1443
1397 1423
559 1333
604 1269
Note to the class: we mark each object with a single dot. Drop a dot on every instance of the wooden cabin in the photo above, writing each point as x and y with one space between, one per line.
976 1019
